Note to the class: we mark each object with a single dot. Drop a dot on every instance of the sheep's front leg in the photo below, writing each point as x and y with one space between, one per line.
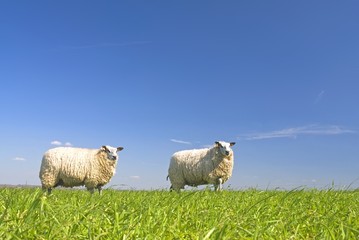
49 191
91 190
90 186
218 185
99 188
178 190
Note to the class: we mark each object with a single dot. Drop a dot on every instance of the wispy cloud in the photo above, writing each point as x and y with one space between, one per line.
180 141
58 143
319 97
297 131
135 177
105 45
207 146
19 159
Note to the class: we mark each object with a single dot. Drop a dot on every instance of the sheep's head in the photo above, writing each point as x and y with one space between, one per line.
111 152
224 147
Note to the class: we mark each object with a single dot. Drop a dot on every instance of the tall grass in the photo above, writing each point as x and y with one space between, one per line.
249 214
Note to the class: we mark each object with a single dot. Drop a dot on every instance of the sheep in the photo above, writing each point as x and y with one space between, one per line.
201 166
70 167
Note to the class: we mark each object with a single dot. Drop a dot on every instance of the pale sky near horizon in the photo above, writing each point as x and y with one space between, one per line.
280 78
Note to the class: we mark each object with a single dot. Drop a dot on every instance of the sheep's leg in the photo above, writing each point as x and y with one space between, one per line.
176 187
91 190
99 188
48 189
90 186
218 185
173 189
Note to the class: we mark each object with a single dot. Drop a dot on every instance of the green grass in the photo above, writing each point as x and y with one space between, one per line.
249 214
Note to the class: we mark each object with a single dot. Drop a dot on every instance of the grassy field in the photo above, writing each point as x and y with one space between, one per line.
248 214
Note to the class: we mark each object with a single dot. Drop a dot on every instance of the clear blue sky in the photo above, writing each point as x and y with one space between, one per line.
281 78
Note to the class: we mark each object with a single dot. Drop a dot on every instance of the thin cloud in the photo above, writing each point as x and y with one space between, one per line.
106 45
295 132
57 143
207 146
135 177
319 97
19 159
180 141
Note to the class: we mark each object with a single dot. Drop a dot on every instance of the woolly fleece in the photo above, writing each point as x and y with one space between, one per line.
200 166
70 167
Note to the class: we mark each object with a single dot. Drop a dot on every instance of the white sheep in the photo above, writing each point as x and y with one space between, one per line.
201 166
70 167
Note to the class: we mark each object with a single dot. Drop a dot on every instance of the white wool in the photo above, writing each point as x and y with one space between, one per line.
70 167
202 166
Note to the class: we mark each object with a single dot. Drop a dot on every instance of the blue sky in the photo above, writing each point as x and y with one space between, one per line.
280 78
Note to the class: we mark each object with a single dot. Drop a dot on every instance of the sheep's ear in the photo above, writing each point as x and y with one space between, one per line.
104 148
231 144
217 144
119 149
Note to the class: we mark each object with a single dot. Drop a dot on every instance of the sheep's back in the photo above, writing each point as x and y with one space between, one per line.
189 157
190 165
70 162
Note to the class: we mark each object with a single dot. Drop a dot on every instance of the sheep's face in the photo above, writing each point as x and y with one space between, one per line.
111 152
224 147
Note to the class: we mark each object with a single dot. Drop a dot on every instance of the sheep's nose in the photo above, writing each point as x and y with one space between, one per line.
227 153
